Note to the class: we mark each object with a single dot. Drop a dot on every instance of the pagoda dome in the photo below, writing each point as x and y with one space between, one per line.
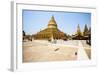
52 23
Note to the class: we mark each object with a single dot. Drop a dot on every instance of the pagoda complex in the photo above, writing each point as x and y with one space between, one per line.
51 32
85 35
78 35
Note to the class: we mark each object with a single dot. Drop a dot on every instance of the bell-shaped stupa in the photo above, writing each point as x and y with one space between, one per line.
51 31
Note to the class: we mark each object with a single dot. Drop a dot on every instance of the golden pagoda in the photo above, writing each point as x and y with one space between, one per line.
51 32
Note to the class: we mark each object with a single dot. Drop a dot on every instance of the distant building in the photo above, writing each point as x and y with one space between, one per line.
78 35
51 32
85 35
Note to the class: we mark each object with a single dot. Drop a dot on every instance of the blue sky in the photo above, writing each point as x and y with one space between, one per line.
34 21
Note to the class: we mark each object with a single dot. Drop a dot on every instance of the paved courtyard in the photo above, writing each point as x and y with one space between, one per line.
41 50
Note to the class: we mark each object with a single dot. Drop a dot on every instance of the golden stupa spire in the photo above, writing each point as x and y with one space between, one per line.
52 18
52 23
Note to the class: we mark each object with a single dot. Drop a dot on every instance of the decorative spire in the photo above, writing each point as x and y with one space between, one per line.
85 32
90 29
52 18
79 31
52 23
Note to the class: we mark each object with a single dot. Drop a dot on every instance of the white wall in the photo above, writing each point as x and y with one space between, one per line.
5 35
